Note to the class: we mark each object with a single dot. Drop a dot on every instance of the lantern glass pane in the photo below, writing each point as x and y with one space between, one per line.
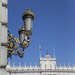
28 23
23 37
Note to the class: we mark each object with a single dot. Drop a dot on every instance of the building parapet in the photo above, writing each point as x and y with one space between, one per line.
38 69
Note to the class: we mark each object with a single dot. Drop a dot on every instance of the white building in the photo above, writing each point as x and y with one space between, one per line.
47 67
47 64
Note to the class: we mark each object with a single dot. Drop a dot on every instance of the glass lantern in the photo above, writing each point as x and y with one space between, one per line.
28 17
22 34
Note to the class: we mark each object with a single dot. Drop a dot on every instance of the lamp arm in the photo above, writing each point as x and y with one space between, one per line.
15 47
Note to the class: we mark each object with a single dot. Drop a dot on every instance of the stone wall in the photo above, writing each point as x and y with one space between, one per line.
3 32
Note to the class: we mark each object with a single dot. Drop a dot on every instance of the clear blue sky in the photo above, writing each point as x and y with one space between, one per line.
53 27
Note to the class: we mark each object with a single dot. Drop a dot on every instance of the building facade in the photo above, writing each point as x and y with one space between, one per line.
47 67
3 36
47 64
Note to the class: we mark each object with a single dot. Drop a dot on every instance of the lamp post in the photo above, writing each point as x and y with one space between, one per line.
15 46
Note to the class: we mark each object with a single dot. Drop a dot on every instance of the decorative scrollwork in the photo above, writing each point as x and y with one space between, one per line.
15 47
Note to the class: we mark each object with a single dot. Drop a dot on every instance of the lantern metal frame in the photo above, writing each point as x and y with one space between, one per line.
17 46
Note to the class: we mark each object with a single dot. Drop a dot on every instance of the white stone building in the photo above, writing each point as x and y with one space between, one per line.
47 64
47 67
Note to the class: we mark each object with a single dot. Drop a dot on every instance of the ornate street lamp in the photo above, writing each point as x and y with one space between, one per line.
15 46
26 30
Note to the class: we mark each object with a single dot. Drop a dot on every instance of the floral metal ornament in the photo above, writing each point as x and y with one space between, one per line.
14 46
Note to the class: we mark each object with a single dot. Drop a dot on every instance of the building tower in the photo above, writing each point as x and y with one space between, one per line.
47 63
3 34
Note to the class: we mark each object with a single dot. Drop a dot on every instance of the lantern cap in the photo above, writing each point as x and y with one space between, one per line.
28 13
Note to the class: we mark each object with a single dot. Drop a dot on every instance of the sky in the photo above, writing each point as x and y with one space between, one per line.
53 28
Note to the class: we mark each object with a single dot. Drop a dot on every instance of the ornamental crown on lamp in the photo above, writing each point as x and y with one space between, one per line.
28 13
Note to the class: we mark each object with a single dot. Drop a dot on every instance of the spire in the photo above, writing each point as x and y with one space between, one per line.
40 50
47 54
40 47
